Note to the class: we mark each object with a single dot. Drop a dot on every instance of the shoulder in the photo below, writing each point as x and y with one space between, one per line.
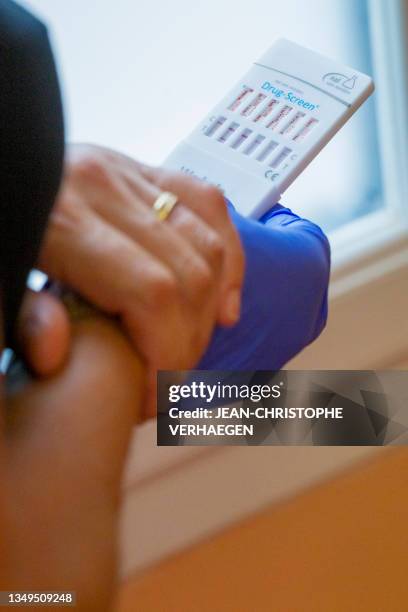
19 28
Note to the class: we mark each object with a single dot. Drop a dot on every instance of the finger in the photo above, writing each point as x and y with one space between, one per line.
184 243
120 277
208 202
43 333
188 224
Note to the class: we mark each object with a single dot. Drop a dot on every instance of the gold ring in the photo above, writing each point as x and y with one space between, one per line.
164 204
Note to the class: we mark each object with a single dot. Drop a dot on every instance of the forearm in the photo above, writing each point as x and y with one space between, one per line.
67 443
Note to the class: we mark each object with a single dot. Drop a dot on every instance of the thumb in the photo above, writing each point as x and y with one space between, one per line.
43 332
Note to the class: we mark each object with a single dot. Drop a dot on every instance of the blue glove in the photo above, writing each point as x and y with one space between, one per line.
284 305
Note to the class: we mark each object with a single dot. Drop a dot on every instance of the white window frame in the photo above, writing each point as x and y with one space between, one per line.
371 237
370 254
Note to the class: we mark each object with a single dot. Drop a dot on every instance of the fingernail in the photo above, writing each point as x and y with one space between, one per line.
233 305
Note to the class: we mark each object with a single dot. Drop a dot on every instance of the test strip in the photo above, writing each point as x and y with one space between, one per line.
241 138
217 123
253 104
266 111
289 127
254 144
305 129
284 111
288 106
228 132
275 163
271 146
241 96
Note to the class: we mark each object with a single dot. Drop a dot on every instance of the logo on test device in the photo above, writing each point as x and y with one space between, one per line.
340 81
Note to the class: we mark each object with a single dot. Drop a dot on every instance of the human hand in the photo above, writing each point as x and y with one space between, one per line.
168 282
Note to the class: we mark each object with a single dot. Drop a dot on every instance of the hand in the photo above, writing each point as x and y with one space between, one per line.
63 444
206 202
168 282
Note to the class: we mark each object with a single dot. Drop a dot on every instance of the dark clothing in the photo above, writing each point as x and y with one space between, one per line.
31 150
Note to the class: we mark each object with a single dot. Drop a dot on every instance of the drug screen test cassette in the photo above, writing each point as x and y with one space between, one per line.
271 125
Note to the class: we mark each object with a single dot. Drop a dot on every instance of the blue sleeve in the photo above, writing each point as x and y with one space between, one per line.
285 293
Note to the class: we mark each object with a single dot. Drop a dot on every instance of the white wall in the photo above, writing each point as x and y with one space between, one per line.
138 76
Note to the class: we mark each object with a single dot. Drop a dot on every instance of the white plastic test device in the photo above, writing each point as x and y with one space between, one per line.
271 125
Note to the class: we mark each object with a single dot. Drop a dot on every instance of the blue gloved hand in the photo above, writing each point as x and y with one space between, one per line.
285 293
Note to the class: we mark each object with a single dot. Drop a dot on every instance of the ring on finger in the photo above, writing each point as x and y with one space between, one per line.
164 204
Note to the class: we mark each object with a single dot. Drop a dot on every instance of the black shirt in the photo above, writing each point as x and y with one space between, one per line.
31 149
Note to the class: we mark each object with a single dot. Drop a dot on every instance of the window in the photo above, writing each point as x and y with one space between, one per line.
139 76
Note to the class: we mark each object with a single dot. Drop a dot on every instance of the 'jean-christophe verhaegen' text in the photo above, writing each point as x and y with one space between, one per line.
206 428
255 393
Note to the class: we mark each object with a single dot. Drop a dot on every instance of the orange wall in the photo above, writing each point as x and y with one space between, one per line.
340 546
